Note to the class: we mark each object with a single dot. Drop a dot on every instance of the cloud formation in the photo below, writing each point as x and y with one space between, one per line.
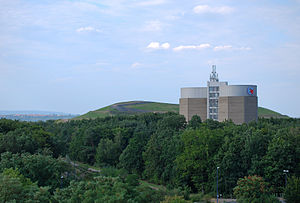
88 29
157 45
224 47
230 47
197 47
200 9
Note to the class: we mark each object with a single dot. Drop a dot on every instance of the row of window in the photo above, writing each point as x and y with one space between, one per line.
214 110
213 94
215 117
213 103
213 89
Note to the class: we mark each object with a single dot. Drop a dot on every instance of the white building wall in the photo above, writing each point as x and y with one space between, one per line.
237 90
194 92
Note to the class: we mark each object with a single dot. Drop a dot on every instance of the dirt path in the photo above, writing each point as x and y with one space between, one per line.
122 107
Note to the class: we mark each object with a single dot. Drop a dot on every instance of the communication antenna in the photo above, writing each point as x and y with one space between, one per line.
214 74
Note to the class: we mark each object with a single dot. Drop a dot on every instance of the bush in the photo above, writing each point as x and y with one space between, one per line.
292 190
175 199
253 189
14 187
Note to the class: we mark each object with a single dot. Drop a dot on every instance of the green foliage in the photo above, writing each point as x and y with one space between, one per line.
292 190
45 170
106 189
201 197
253 189
14 187
175 199
195 122
30 139
9 125
283 154
195 163
162 149
131 158
108 152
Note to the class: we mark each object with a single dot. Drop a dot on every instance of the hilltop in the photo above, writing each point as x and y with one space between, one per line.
136 107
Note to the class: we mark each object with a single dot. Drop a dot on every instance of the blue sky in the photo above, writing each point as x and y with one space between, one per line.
77 56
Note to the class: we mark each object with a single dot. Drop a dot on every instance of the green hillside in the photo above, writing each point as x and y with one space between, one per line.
136 107
267 113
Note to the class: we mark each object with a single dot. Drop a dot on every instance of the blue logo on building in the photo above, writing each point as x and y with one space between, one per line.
250 90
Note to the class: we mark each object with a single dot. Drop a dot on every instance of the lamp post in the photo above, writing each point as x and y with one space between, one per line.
61 181
217 185
285 172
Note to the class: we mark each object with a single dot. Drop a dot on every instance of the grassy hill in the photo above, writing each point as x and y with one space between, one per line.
267 113
136 107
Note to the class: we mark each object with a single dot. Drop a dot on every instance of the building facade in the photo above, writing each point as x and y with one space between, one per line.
220 101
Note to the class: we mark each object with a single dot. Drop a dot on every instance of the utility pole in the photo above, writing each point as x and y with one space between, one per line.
217 185
285 172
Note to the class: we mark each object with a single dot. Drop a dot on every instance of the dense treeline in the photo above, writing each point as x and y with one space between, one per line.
159 148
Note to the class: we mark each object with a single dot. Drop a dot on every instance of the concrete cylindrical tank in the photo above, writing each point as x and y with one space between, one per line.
238 90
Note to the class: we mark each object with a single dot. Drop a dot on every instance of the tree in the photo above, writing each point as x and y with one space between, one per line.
175 199
15 187
107 189
195 163
292 190
234 157
253 189
283 154
45 170
31 139
162 149
132 157
108 152
195 122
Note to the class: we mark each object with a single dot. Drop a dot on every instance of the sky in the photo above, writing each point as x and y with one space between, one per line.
75 56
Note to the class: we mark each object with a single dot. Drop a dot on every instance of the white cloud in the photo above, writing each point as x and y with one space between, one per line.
135 65
151 2
220 48
157 45
153 45
229 47
153 26
165 46
88 29
208 9
197 47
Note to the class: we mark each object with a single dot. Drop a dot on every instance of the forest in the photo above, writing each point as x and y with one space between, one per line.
39 159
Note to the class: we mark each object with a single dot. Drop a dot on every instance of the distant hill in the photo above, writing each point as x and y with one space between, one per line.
35 115
267 113
32 112
136 107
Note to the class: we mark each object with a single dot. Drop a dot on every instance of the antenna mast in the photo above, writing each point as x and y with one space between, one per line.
214 74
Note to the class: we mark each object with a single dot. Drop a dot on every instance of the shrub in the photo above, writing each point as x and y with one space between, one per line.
292 190
253 189
175 199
